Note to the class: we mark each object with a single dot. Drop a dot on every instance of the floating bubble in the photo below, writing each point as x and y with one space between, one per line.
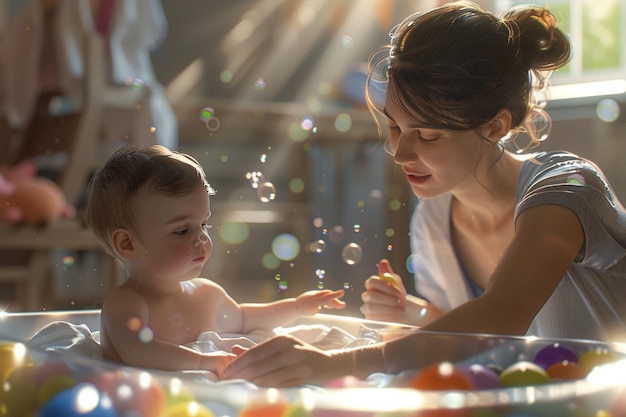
283 286
321 273
136 84
351 253
347 41
307 123
320 285
269 261
234 232
318 246
608 110
410 262
286 247
153 129
259 85
255 178
389 232
266 192
347 285
318 222
263 158
357 228
207 113
389 248
277 277
68 260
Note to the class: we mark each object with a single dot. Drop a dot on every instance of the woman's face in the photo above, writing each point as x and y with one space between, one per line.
435 161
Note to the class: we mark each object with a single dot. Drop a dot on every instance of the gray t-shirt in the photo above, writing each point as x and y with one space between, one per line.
590 301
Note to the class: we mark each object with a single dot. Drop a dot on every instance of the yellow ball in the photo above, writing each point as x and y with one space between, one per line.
187 409
12 355
53 386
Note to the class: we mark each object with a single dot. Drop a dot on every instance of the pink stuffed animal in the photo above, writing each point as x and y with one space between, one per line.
26 198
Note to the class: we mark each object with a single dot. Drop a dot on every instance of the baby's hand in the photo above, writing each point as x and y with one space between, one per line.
311 302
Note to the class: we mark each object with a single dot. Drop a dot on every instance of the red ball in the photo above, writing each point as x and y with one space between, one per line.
440 377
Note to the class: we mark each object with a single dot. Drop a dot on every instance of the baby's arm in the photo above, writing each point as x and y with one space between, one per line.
282 312
127 337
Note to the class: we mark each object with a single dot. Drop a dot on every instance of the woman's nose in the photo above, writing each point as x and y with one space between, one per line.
404 151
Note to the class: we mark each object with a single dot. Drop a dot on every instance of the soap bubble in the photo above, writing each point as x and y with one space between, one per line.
259 85
263 158
282 285
318 222
317 246
321 273
266 192
207 115
351 253
307 123
286 247
269 261
409 263
255 178
234 232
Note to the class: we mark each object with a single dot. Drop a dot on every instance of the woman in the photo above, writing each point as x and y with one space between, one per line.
502 243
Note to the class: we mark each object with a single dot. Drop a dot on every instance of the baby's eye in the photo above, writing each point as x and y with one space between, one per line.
181 232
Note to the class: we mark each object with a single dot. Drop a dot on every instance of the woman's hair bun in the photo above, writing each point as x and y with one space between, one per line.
533 30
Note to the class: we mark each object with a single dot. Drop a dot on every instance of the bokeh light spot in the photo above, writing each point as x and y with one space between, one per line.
234 232
286 247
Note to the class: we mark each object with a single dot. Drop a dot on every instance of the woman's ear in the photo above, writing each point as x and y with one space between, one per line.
498 127
125 244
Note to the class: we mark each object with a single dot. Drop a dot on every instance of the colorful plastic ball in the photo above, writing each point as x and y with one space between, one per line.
20 392
481 376
554 353
440 377
12 355
266 403
565 371
83 400
53 386
524 373
592 358
187 409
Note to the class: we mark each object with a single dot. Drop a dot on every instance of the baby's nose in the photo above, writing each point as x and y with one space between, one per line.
203 238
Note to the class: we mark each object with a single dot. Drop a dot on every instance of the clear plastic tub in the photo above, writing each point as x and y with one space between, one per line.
167 394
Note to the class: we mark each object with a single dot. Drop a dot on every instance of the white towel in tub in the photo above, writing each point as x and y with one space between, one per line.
319 335
61 336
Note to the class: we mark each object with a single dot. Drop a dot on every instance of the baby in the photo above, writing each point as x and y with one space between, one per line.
149 207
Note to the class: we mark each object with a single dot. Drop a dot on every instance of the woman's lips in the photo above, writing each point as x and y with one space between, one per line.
417 179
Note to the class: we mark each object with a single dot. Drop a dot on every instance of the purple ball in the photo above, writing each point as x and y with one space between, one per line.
554 353
481 376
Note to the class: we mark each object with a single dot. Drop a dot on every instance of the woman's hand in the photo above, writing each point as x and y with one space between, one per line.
386 299
286 361
311 302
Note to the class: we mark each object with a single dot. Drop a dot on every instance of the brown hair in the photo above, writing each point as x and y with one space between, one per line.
455 66
114 187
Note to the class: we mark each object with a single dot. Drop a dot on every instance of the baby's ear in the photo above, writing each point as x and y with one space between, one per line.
125 244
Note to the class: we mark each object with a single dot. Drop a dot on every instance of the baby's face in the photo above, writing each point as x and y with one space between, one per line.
172 232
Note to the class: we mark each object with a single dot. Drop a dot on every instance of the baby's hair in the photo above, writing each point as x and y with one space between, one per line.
456 66
113 189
